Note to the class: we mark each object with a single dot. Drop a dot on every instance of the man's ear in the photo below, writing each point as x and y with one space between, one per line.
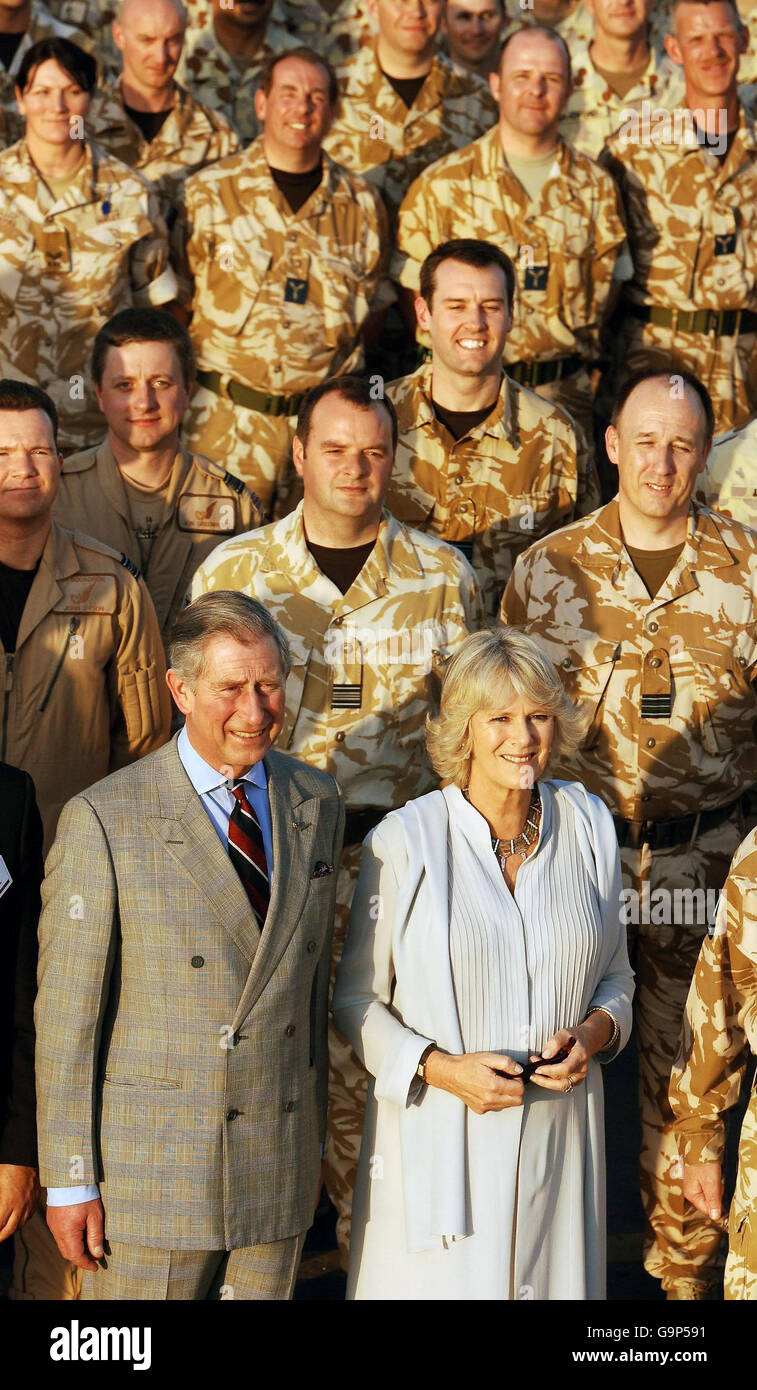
179 690
298 454
673 49
259 101
611 444
422 313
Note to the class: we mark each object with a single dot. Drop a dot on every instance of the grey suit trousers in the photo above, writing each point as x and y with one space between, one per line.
256 1272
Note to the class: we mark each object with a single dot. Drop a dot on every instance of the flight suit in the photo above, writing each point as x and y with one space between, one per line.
521 473
667 687
365 674
200 506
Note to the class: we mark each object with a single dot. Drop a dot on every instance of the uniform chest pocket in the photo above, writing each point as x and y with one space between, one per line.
586 664
725 707
342 295
416 656
234 280
300 654
16 252
206 514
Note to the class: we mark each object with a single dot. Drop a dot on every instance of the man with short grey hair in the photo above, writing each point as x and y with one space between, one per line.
181 1014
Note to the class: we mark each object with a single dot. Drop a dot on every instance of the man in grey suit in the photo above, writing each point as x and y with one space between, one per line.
181 1014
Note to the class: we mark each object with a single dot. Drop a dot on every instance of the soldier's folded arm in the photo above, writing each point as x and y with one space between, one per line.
139 699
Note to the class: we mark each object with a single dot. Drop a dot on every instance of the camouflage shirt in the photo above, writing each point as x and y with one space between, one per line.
720 1024
200 503
189 139
42 25
730 483
692 220
518 475
336 29
365 665
279 297
215 79
667 680
378 135
594 110
66 266
564 247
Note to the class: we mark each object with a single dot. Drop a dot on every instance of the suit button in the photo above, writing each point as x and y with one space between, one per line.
340 736
290 1030
232 1114
289 1107
311 947
197 962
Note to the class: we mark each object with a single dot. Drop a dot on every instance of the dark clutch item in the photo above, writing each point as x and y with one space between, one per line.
530 1067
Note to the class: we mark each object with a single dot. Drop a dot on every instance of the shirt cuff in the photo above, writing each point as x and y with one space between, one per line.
71 1196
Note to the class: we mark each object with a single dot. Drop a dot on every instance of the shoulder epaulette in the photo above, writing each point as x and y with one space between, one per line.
234 482
130 565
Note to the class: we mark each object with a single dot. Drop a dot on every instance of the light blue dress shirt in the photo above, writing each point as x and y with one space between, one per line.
214 791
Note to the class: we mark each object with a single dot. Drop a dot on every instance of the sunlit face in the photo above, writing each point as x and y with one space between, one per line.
473 29
51 103
407 26
142 394
236 709
620 19
708 43
532 85
659 448
297 112
150 37
347 462
468 320
29 465
511 744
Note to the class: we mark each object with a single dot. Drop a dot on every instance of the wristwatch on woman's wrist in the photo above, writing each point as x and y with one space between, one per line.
420 1070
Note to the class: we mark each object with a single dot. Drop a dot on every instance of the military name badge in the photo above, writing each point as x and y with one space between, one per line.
5 877
214 514
88 593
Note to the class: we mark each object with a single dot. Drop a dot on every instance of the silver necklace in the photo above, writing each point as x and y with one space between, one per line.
521 843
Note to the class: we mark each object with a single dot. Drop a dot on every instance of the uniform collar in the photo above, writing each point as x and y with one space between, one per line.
704 548
393 555
502 426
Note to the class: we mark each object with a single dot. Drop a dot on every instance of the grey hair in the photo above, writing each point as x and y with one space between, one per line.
489 668
223 612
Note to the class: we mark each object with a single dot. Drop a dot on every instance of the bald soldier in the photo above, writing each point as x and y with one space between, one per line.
83 678
281 254
616 71
139 490
145 118
648 608
689 186
551 210
481 462
719 1039
371 609
223 59
402 104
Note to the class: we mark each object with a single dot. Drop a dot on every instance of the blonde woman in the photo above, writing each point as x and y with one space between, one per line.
485 932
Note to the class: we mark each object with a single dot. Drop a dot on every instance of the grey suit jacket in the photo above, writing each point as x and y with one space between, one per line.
182 1055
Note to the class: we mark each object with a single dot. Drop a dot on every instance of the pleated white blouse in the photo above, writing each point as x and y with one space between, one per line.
450 1204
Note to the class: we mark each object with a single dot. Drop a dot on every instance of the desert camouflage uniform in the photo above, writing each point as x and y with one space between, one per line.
365 668
594 111
252 259
730 483
564 249
200 505
719 1032
520 474
215 79
66 266
337 30
692 231
695 646
377 135
42 25
191 138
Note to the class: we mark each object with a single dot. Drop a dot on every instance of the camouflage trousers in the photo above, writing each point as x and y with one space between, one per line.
667 920
348 1079
256 447
726 366
741 1265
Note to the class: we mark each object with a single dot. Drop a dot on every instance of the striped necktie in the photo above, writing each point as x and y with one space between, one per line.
247 853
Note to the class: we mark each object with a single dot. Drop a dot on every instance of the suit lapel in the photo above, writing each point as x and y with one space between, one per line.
186 832
294 822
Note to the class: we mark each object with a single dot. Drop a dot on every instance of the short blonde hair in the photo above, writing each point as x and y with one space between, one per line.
487 670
